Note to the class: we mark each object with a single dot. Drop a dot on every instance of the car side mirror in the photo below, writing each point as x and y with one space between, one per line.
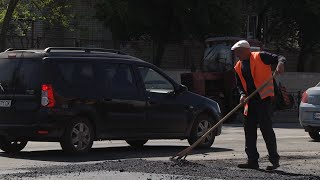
182 88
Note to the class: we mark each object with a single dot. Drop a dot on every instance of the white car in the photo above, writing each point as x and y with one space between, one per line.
309 112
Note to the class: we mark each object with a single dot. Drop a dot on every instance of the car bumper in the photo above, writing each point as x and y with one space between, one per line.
46 127
306 116
219 128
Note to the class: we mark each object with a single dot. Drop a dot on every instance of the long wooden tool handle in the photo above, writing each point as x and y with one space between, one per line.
187 150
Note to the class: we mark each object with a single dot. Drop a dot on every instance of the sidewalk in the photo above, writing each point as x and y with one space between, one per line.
285 117
278 117
274 125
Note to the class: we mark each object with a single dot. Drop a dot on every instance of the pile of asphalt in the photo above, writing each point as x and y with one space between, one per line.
217 169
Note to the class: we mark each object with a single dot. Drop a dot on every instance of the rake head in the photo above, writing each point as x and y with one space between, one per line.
183 154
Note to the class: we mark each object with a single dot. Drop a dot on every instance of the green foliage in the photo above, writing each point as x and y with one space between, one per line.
169 20
3 6
295 23
164 21
114 14
49 11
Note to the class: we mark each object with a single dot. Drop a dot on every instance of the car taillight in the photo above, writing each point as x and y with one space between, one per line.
304 98
12 55
47 98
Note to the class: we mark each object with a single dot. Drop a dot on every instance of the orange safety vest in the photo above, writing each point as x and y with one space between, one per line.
260 74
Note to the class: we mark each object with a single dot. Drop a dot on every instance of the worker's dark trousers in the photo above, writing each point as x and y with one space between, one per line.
260 113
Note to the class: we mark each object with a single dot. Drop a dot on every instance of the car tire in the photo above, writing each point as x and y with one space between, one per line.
12 146
137 143
78 136
315 135
201 125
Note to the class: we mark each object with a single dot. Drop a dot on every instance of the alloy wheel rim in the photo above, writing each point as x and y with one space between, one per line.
203 127
80 136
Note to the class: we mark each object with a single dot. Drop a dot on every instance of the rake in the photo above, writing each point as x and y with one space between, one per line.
184 153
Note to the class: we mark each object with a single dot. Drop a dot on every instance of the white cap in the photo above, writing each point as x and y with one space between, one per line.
241 43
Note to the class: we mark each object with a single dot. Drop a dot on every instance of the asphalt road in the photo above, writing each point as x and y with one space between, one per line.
300 159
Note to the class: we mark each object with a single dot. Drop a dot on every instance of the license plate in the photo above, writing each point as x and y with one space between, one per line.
316 116
5 103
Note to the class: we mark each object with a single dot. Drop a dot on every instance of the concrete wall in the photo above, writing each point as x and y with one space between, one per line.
297 81
89 31
293 81
175 74
175 56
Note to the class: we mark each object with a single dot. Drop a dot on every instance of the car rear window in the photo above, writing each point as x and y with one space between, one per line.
7 68
28 76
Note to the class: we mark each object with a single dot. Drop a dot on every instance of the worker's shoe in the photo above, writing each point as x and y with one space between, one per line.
249 165
274 166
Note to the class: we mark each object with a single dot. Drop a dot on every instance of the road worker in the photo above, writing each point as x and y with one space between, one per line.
252 70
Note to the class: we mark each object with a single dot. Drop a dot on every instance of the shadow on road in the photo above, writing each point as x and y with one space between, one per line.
275 125
110 153
279 172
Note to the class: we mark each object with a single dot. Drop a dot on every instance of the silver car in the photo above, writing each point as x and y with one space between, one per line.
309 112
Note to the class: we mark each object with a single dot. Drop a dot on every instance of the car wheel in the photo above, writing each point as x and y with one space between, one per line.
137 143
315 135
12 146
201 125
78 136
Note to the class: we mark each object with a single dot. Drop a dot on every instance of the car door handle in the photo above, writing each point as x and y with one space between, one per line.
106 99
152 102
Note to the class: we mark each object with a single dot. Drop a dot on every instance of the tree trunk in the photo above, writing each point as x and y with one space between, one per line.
303 57
6 22
116 44
158 54
260 26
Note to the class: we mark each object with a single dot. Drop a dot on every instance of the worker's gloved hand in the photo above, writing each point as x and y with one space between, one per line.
280 69
242 98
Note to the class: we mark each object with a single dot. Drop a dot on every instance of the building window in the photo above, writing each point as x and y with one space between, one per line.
252 24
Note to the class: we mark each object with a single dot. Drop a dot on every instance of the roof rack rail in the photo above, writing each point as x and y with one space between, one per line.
87 50
13 49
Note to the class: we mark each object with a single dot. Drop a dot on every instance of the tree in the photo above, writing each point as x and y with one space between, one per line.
295 25
17 14
5 24
114 14
164 21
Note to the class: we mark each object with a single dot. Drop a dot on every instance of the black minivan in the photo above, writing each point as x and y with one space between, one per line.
78 95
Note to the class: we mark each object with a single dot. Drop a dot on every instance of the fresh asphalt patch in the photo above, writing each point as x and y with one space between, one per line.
182 169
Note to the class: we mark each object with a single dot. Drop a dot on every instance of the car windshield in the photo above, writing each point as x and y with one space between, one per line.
218 58
318 85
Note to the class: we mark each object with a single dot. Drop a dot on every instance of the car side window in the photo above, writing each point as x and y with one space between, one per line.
118 80
77 74
155 82
77 79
